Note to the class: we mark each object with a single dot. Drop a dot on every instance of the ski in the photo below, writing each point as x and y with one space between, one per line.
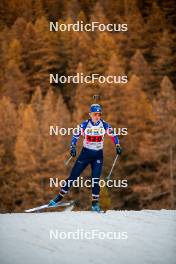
100 212
46 206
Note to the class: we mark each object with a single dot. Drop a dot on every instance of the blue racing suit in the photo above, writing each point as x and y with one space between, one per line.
91 153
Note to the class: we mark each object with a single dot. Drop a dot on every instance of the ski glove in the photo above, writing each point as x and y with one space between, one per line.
118 149
73 151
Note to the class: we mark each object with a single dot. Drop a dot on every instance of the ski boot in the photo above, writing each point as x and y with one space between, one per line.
52 203
96 207
55 201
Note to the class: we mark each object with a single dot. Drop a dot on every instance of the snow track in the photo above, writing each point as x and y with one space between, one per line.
150 237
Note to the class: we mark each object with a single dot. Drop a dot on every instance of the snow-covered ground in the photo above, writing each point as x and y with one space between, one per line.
141 237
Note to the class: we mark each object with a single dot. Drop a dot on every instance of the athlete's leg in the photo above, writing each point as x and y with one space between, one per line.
96 166
80 164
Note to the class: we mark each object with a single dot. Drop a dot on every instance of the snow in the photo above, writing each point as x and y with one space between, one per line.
149 236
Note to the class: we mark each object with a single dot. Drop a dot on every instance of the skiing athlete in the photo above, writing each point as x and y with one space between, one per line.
93 131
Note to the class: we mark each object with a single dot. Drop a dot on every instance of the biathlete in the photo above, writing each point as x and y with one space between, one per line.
93 131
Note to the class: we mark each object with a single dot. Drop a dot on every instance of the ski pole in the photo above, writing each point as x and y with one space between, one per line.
108 177
67 161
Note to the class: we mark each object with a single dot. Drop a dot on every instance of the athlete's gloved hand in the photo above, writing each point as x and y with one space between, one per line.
73 151
118 149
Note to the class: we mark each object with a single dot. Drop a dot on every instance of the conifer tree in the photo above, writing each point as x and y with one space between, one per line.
155 24
137 114
44 53
37 103
104 47
164 56
84 93
55 113
135 37
98 14
18 28
20 8
13 52
15 84
140 67
28 144
164 145
8 130
38 9
28 53
71 9
113 9
111 93
156 20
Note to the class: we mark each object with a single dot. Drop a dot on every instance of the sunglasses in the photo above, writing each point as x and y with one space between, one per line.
96 114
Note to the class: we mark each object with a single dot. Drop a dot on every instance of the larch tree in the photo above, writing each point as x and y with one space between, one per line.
45 54
84 93
56 115
156 17
110 101
15 84
75 49
154 27
8 132
163 54
98 14
136 115
101 52
69 49
84 42
21 8
28 52
38 9
135 37
28 144
8 129
110 92
14 52
141 68
18 28
137 111
37 103
71 9
113 9
164 145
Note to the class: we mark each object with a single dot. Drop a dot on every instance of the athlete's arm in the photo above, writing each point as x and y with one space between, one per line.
80 132
114 137
109 131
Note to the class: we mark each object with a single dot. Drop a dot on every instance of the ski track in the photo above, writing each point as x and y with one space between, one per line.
25 238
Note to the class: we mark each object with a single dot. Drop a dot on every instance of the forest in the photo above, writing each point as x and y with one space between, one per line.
30 104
